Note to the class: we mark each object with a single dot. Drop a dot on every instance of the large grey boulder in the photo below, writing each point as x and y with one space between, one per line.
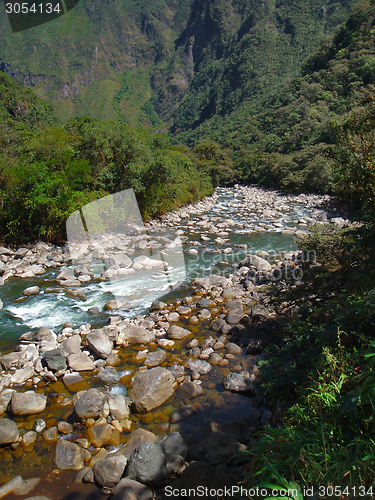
147 465
8 431
55 360
90 404
72 345
69 456
109 375
99 344
109 470
27 403
118 406
128 489
135 334
151 388
81 362
12 360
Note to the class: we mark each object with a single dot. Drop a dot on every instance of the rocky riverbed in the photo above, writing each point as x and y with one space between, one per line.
113 401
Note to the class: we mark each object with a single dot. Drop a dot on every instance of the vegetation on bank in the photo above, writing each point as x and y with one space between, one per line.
47 171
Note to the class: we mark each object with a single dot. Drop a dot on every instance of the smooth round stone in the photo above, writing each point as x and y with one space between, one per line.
192 343
31 290
183 309
8 431
193 320
155 358
204 314
232 348
214 359
223 362
173 317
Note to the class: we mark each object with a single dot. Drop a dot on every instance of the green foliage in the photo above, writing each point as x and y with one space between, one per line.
47 172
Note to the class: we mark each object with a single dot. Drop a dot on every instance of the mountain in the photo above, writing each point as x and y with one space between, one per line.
165 62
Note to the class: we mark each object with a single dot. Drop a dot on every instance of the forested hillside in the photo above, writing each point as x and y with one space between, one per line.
290 142
161 62
47 171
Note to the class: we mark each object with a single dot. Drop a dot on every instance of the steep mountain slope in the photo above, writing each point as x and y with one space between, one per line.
289 141
97 59
137 60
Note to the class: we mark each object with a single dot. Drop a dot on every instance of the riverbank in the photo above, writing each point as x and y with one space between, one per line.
211 337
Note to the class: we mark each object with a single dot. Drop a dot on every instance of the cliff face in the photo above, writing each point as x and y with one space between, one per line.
157 62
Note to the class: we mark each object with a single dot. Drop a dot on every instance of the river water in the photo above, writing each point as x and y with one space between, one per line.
216 233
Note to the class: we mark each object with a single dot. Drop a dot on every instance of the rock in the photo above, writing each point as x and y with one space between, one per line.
147 465
118 406
39 425
254 346
72 345
99 343
191 389
113 305
73 381
68 456
108 376
20 376
28 403
255 261
101 434
136 438
214 358
80 362
76 293
31 290
50 434
155 358
78 478
5 398
238 383
45 335
10 486
65 427
173 317
8 431
94 311
177 371
26 486
233 317
109 471
29 439
55 360
157 305
200 366
11 360
232 348
173 463
136 335
175 332
175 444
151 388
181 413
127 489
90 404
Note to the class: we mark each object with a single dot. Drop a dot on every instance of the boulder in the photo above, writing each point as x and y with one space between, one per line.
90 404
45 335
8 431
80 362
99 343
151 388
72 345
136 438
109 471
10 486
232 348
101 434
68 456
127 489
255 261
200 366
191 389
238 383
108 376
11 360
118 406
175 444
155 358
28 403
135 334
234 317
55 360
31 290
147 465
175 332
